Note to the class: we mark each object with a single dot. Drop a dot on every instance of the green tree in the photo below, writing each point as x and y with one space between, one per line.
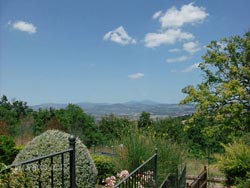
75 121
113 127
171 128
11 113
144 120
43 118
223 97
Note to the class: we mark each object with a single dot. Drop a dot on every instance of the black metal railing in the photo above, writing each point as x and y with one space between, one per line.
200 181
175 180
143 176
36 168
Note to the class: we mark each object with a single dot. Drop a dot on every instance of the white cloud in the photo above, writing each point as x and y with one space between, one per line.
174 18
174 50
171 23
191 68
157 15
120 36
23 26
136 76
191 47
169 36
177 59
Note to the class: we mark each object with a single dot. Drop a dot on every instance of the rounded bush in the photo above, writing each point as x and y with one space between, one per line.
9 177
50 142
105 166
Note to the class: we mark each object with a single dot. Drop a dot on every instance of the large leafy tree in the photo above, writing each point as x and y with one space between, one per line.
74 120
222 99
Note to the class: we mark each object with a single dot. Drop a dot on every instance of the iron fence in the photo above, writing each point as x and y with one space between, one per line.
175 180
144 176
36 166
200 181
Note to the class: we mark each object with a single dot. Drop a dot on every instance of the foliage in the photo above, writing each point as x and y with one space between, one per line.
43 118
53 141
144 120
223 98
8 151
236 162
171 128
105 167
11 177
10 115
244 183
133 149
75 121
113 127
137 146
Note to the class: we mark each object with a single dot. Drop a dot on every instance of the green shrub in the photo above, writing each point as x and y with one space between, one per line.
105 167
235 164
53 141
8 151
10 177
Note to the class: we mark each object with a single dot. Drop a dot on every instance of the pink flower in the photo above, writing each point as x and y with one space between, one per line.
123 174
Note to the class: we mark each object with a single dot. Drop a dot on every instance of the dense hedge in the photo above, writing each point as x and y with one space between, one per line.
54 141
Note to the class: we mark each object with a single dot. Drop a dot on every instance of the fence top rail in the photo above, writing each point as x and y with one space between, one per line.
41 158
138 168
200 177
165 180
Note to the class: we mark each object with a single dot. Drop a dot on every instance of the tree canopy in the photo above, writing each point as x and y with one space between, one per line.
223 97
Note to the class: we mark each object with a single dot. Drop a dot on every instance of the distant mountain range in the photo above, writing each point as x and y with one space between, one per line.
130 109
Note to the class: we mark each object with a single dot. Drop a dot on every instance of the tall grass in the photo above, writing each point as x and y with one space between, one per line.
137 146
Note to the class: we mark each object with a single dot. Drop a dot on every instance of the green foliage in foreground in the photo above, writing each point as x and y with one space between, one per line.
10 177
235 164
137 146
53 141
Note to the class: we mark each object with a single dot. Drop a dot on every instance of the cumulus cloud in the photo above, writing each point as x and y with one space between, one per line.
157 15
171 23
136 76
191 68
177 59
120 36
23 26
169 36
191 47
188 14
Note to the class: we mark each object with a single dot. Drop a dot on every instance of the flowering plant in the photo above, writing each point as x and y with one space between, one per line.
142 179
111 181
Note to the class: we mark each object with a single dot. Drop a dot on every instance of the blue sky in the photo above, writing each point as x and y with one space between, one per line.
110 51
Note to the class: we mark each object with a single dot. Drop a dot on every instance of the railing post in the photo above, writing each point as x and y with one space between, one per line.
205 169
155 167
72 141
